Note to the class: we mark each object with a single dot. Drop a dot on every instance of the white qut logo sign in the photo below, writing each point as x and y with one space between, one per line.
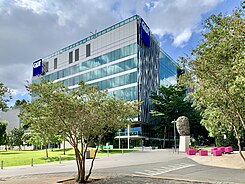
145 28
37 64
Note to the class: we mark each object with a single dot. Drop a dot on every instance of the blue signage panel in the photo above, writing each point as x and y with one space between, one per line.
37 67
145 33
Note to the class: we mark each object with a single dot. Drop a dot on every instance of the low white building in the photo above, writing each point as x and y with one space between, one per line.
11 116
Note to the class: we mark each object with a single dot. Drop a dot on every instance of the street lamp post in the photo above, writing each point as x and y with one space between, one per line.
119 140
128 135
64 148
174 122
176 111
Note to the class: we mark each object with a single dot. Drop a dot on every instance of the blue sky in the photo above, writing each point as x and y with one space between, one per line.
32 29
225 7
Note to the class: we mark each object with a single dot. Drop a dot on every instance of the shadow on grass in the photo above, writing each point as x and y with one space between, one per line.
9 153
56 159
62 150
71 154
115 151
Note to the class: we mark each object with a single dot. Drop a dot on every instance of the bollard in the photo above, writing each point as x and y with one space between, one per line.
60 159
122 151
108 152
2 164
32 162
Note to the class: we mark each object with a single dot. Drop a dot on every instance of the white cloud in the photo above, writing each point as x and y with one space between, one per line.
182 38
36 6
31 29
178 18
15 92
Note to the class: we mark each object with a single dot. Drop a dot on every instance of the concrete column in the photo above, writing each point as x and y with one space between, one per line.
184 143
142 144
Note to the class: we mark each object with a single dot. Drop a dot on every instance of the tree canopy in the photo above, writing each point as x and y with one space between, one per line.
15 137
83 116
19 103
216 72
3 126
4 91
169 104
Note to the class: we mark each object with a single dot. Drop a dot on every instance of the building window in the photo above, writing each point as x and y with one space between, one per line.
88 50
76 54
45 67
55 63
70 57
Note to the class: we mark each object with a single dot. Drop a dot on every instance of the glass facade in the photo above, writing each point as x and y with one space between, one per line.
111 69
133 131
102 72
96 62
148 76
117 81
130 93
168 70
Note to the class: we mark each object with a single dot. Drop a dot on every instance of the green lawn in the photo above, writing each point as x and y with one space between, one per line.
17 158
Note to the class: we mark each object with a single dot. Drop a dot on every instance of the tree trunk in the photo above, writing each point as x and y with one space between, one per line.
64 150
241 119
92 164
80 165
238 142
164 137
46 150
83 169
236 107
78 161
240 149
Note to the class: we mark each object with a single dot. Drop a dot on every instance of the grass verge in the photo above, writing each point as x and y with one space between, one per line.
18 158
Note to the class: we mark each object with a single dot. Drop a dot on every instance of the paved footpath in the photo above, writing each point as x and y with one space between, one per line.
157 164
115 160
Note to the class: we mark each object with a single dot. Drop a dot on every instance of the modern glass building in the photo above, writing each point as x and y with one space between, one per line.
124 59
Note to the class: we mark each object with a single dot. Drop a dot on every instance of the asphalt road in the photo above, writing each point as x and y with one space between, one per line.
159 166
183 169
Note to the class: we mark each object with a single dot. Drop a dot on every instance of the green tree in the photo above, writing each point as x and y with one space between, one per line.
16 136
83 116
55 139
3 126
4 92
35 140
40 129
109 136
19 103
9 141
217 75
168 105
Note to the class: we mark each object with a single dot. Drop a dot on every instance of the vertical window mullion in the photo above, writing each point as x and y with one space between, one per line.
76 54
55 63
70 57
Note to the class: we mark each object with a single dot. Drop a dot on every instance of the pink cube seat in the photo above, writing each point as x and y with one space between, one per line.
217 153
191 151
212 149
203 152
222 149
228 149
